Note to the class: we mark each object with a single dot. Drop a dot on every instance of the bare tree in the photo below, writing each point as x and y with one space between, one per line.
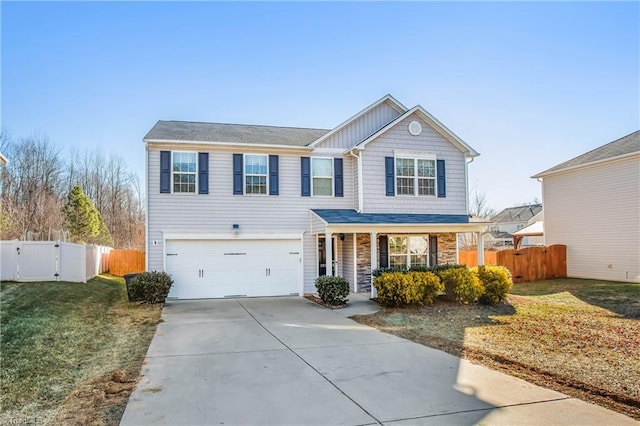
31 183
35 184
478 209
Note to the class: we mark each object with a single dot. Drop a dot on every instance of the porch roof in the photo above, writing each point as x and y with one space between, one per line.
352 217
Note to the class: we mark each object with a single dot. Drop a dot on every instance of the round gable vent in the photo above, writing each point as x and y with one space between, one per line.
415 128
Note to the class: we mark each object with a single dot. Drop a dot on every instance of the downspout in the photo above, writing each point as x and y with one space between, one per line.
360 191
146 205
466 180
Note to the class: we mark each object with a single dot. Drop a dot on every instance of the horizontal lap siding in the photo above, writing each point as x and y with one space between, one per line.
398 138
218 210
595 212
363 127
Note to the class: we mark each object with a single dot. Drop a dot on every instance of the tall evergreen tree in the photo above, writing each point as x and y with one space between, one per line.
81 217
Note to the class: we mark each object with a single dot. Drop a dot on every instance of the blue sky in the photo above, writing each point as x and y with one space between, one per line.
528 85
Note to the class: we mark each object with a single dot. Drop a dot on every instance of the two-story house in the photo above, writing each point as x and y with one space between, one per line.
509 221
248 210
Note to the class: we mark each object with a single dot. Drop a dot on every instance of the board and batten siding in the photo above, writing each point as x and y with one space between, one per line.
215 212
366 125
399 139
595 212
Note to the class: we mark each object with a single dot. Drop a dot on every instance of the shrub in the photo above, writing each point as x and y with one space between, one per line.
461 285
439 269
429 286
407 288
496 281
150 287
380 271
333 290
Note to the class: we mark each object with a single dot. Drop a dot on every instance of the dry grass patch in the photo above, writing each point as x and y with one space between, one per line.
580 337
71 352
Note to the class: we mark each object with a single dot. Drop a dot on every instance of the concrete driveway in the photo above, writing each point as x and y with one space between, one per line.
288 361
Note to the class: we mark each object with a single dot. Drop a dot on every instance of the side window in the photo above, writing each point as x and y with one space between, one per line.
255 174
183 172
322 176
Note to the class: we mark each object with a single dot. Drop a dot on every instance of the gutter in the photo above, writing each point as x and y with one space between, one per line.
360 191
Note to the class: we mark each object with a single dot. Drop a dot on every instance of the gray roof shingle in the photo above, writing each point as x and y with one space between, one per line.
625 145
232 133
351 217
517 214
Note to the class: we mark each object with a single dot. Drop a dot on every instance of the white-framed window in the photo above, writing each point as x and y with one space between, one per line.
406 251
184 172
416 176
321 176
255 174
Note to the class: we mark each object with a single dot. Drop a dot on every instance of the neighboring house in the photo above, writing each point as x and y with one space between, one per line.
248 210
532 234
507 222
592 205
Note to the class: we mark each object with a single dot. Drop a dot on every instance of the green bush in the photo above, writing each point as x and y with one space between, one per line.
437 269
496 281
407 288
380 271
333 290
150 287
429 286
461 285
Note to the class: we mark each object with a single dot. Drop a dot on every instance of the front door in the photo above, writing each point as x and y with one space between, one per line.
322 256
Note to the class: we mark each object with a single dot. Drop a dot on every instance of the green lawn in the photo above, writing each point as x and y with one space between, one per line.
580 337
70 351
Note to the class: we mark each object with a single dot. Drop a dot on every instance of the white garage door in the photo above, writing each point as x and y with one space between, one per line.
228 268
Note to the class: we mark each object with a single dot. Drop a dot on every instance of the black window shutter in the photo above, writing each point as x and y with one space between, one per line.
305 176
165 172
273 175
237 174
383 243
433 250
203 173
338 177
442 181
390 175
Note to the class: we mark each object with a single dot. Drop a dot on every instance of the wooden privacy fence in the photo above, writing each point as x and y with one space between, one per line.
470 258
528 264
535 263
122 262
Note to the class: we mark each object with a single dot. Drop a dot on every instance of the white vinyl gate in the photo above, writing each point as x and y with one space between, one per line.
27 261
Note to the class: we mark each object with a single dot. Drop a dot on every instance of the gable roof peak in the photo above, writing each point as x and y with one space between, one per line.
393 102
433 122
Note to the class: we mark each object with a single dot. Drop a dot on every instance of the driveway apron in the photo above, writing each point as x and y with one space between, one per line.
288 361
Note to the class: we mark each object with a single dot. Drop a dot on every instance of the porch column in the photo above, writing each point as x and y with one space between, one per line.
374 259
480 248
328 243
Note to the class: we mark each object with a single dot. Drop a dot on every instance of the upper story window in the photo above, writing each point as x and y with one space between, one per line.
184 170
255 174
322 176
416 176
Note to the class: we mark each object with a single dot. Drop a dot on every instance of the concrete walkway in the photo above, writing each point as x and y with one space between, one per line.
288 361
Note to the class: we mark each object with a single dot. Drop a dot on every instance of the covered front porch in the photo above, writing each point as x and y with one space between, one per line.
364 242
